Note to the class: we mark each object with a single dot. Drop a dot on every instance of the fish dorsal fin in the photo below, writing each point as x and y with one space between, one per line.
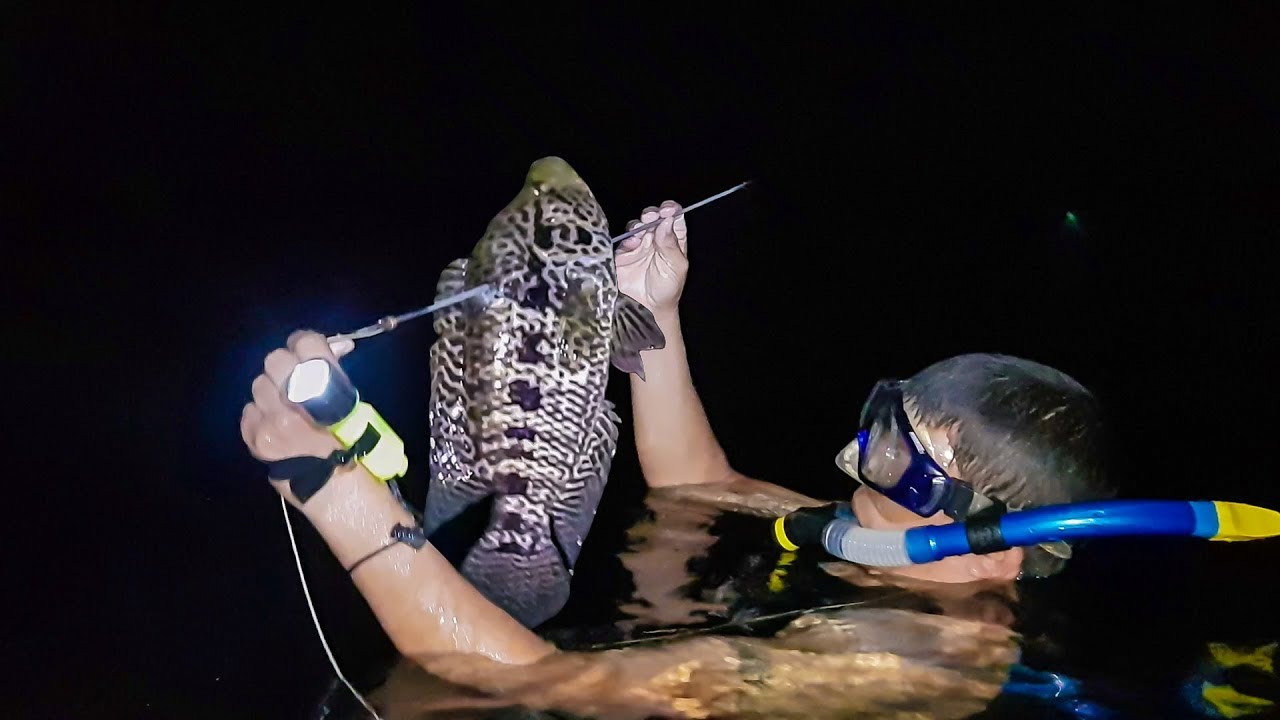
634 330
451 484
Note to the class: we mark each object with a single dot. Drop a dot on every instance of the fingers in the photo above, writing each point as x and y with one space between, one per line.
266 395
271 426
681 230
670 234
303 345
640 245
665 236
646 238
274 412
257 425
278 365
308 345
268 388
250 420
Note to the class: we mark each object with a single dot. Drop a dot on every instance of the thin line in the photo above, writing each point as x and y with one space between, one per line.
646 226
391 322
312 607
388 323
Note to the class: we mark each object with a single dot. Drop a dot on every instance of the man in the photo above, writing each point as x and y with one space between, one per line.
994 429
1023 433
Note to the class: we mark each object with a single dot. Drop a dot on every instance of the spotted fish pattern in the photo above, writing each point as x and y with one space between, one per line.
519 418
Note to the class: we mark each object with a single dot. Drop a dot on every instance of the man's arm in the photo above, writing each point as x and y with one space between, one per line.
425 606
673 437
674 440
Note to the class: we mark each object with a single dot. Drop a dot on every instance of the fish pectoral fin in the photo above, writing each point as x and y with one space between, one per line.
634 331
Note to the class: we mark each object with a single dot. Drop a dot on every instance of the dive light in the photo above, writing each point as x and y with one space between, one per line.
325 392
836 528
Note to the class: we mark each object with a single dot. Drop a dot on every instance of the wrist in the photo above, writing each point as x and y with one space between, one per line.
354 513
667 318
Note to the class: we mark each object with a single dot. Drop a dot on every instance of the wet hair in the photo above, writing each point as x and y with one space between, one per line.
1023 433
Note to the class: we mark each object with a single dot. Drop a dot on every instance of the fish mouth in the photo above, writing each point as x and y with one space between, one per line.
552 172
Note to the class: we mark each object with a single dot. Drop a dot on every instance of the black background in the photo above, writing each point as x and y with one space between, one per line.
184 187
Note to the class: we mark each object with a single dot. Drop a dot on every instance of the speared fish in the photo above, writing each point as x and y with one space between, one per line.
517 540
520 426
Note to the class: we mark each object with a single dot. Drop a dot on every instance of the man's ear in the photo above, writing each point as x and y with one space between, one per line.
1002 566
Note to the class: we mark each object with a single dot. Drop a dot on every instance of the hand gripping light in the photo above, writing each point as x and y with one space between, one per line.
327 395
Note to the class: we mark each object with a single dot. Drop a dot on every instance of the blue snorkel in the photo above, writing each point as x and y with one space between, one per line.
835 528
889 457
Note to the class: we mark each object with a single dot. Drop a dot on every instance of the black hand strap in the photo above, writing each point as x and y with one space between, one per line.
307 474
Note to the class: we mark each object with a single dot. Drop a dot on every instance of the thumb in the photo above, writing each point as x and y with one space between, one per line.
632 242
629 244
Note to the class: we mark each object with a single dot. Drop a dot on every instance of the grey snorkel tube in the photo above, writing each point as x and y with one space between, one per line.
836 528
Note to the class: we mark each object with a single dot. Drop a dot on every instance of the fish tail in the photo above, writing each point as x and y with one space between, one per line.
531 586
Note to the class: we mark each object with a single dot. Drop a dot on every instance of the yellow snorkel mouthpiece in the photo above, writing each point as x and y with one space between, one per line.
1237 521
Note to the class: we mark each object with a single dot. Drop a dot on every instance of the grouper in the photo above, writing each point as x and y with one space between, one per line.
522 435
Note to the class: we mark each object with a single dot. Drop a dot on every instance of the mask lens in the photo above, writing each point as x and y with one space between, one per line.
875 406
888 456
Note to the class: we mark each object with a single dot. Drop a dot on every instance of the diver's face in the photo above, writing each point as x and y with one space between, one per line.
877 512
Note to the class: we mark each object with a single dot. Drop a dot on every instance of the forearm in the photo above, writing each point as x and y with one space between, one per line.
674 440
424 605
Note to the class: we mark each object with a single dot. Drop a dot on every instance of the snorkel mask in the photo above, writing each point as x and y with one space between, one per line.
888 457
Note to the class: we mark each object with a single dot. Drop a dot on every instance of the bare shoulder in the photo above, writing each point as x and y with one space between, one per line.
740 493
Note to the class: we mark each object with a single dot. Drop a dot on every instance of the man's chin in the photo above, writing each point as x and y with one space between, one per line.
950 571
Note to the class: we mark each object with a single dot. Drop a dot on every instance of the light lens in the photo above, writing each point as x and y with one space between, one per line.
308 381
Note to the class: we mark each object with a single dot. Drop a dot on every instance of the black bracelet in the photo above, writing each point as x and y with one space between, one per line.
413 537
360 562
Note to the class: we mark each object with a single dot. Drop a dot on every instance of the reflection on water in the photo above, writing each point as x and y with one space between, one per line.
722 624
658 557
848 663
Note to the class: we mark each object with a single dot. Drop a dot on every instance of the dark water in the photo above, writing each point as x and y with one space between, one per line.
184 187
686 573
